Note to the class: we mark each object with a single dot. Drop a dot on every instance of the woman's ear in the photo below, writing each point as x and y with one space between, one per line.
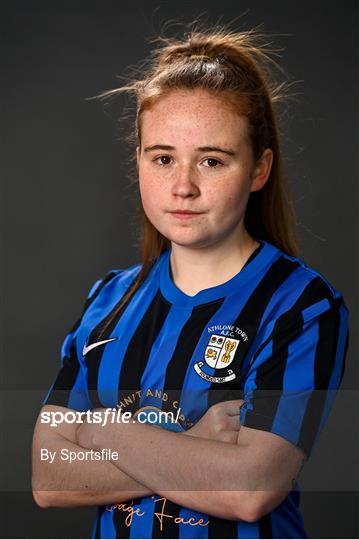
262 170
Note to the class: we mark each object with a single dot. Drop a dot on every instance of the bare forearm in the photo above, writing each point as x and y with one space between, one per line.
186 470
213 503
82 483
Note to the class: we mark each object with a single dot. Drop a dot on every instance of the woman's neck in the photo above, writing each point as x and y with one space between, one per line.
196 269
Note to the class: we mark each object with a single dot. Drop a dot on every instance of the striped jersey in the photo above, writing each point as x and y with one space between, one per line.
274 335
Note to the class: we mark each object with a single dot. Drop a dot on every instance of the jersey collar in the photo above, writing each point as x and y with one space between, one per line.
261 260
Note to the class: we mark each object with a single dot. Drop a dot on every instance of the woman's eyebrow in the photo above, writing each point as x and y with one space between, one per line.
228 151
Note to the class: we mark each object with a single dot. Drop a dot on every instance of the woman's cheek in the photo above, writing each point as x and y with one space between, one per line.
148 194
151 202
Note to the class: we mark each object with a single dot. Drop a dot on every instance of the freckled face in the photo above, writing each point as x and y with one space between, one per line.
187 175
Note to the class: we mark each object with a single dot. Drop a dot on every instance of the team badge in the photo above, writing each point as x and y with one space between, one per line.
219 354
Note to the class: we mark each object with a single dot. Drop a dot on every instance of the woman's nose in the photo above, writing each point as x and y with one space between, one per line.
184 182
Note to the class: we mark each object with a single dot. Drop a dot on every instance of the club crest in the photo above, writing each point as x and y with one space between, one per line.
219 354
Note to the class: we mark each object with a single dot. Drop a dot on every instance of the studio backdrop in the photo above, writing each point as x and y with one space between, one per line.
69 206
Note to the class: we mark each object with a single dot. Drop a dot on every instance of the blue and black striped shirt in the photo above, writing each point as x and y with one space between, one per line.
275 335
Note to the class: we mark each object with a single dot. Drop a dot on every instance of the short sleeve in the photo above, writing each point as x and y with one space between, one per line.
296 371
70 388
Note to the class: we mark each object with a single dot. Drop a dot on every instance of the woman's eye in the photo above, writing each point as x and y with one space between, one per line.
164 160
212 163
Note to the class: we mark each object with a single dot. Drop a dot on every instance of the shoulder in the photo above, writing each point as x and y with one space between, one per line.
306 281
125 277
299 295
115 276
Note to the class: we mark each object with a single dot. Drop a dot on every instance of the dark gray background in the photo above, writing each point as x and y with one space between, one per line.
68 207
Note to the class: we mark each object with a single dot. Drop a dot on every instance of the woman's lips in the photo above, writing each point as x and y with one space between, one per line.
185 215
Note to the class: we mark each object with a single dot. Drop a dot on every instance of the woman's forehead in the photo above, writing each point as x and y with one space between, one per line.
198 114
198 99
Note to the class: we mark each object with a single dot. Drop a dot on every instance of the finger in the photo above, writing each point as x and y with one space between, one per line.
231 407
230 436
232 423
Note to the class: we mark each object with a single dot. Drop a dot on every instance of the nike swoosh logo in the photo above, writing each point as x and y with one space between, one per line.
88 348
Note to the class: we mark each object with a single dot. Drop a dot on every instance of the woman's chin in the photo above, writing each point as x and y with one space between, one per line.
193 242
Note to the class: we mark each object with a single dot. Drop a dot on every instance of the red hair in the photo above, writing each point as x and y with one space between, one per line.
236 66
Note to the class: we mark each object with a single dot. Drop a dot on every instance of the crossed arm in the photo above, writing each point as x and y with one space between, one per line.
241 480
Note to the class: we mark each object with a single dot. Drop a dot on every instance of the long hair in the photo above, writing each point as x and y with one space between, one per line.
238 67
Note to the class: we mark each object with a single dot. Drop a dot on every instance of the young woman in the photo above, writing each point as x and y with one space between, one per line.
221 323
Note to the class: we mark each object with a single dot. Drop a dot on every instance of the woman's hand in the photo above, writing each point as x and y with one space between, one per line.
85 433
93 430
219 423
